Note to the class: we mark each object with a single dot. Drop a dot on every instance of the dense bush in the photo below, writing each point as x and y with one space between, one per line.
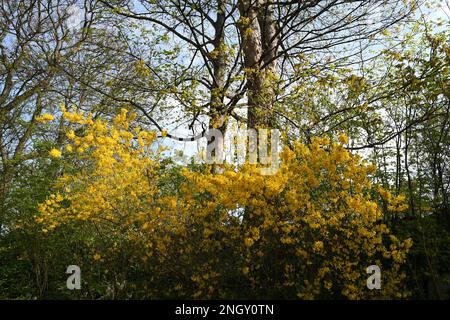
308 231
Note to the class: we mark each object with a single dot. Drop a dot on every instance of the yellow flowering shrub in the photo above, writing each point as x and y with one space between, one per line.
309 231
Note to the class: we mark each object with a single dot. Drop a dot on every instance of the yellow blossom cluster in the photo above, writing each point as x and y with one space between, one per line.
45 117
308 231
55 153
117 180
315 221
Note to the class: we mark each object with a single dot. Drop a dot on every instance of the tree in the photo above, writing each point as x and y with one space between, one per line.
244 52
35 40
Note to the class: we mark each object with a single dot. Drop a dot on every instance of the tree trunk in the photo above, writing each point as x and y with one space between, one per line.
218 112
259 47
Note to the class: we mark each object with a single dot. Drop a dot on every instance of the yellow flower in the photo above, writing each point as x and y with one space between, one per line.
248 242
45 117
318 246
97 257
55 153
343 138
70 135
408 243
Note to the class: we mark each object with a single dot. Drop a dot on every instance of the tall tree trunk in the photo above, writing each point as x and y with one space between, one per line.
218 112
259 47
408 173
